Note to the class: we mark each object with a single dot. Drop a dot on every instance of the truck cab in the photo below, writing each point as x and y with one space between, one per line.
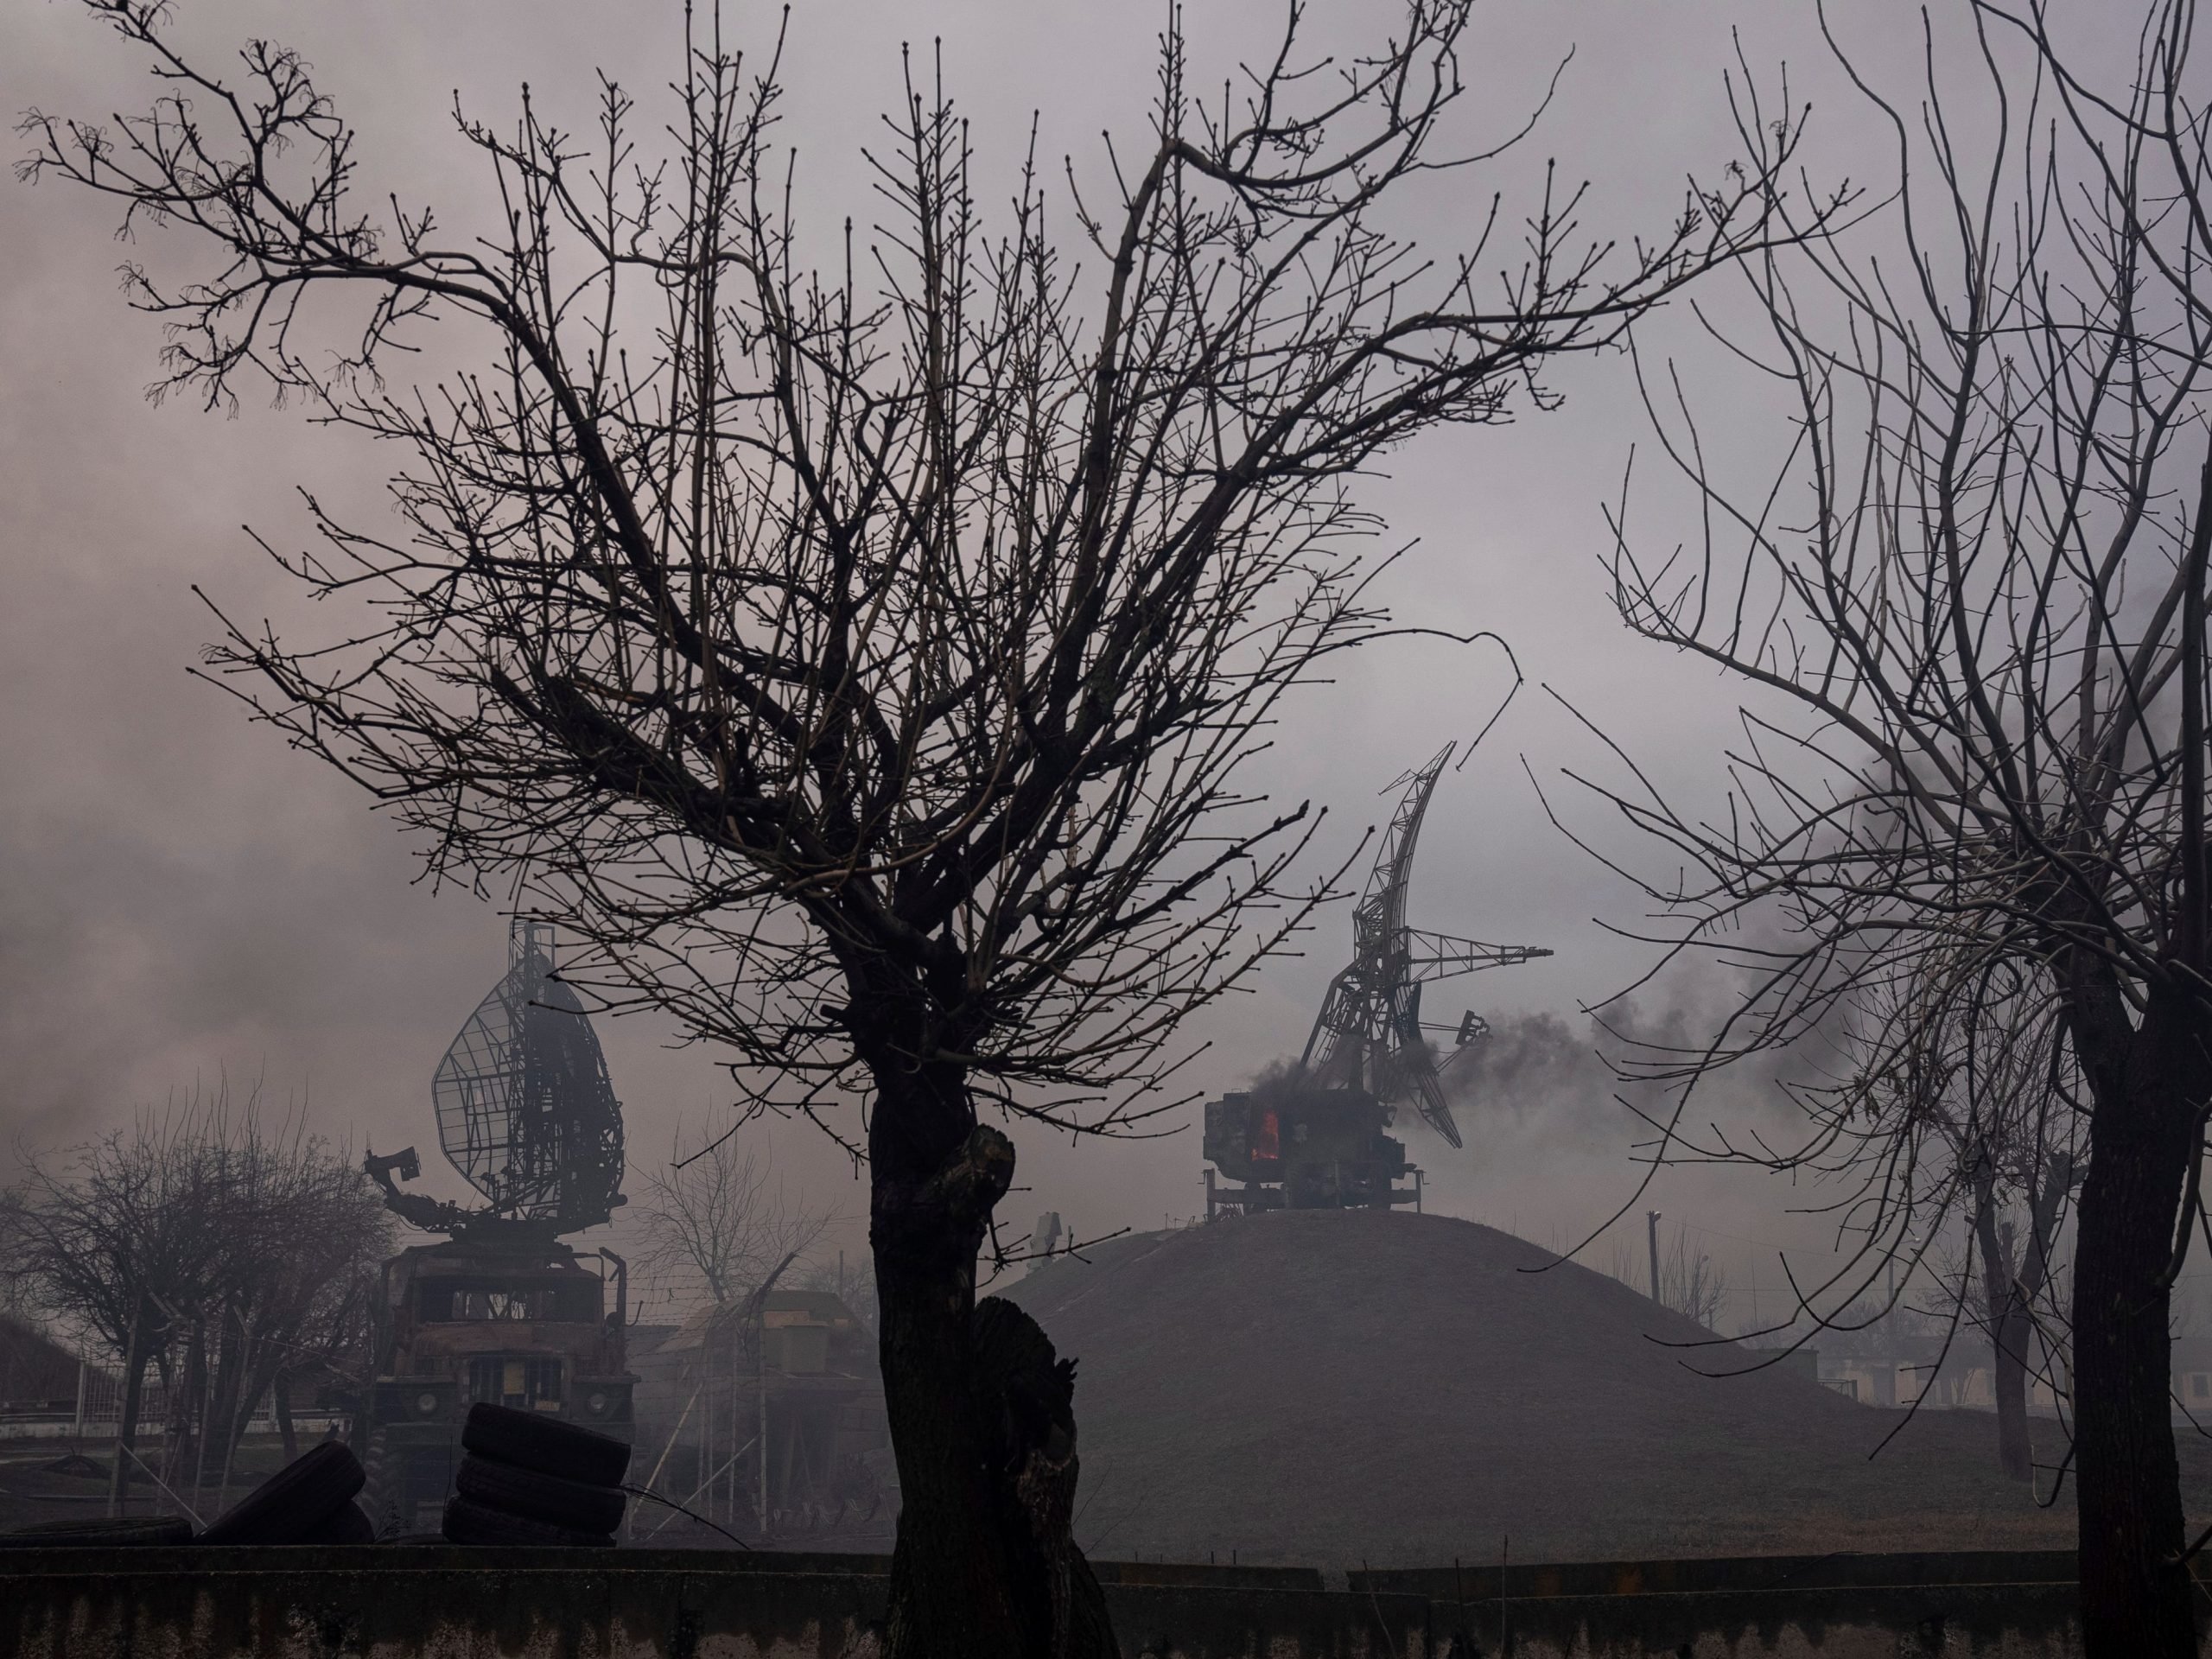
522 1320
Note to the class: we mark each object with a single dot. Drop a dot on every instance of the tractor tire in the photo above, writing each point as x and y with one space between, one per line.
528 1440
298 1497
468 1523
516 1490
123 1532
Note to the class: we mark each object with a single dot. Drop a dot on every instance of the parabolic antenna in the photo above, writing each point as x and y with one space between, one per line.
525 1110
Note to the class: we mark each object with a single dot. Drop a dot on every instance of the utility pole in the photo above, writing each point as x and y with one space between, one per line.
1652 1223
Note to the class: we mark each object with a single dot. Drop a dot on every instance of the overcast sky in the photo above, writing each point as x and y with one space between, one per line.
183 899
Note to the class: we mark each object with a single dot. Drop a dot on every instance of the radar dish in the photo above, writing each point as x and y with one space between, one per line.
525 1109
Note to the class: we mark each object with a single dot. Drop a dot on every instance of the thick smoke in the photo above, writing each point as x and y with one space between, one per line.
1531 1063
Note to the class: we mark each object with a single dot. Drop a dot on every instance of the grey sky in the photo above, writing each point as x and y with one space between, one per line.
184 898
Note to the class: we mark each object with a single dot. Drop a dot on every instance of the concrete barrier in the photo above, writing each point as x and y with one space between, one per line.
444 1602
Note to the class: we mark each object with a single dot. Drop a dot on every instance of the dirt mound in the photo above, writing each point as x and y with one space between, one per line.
1325 1386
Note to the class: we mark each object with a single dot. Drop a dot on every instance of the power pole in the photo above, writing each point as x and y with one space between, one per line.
1652 1223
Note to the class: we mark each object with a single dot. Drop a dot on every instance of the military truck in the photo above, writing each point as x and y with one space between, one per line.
1298 1145
501 1311
512 1321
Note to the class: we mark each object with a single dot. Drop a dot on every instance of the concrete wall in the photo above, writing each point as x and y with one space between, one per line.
386 1602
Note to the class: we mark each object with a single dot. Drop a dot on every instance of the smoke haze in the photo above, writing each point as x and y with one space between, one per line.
185 899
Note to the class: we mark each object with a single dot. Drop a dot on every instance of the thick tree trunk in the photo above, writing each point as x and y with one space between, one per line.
230 1407
968 1579
2136 1601
934 1177
187 1394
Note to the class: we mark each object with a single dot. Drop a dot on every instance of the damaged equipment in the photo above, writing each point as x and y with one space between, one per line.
1314 1138
502 1314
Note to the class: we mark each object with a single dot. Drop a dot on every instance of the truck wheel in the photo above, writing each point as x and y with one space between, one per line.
303 1493
528 1440
522 1491
468 1523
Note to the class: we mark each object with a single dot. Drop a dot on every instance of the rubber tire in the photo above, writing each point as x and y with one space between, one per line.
529 1439
473 1523
348 1524
513 1490
128 1531
295 1499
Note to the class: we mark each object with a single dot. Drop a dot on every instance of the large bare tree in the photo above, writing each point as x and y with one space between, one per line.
1968 617
867 662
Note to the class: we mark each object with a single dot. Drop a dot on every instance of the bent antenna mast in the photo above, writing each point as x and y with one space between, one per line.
1369 1033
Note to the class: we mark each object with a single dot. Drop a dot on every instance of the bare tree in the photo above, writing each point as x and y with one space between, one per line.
1689 1281
1982 1097
868 663
712 1218
124 1230
228 1253
1969 616
306 1234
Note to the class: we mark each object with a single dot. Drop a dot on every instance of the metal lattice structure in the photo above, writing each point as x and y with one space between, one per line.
1369 1033
525 1109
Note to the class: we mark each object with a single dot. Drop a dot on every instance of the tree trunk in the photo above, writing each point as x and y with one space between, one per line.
260 1373
281 1387
2009 1329
2008 1379
228 1407
188 1400
934 1179
2135 1594
126 1423
967 1577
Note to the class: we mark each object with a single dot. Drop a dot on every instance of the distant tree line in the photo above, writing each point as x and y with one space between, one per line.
232 1257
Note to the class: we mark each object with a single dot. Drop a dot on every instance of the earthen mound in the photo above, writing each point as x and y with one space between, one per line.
1325 1386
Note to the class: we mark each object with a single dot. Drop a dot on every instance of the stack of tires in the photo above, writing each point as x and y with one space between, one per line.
530 1479
309 1501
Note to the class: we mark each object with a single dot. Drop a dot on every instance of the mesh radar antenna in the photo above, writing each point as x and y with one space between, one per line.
1367 1034
525 1109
